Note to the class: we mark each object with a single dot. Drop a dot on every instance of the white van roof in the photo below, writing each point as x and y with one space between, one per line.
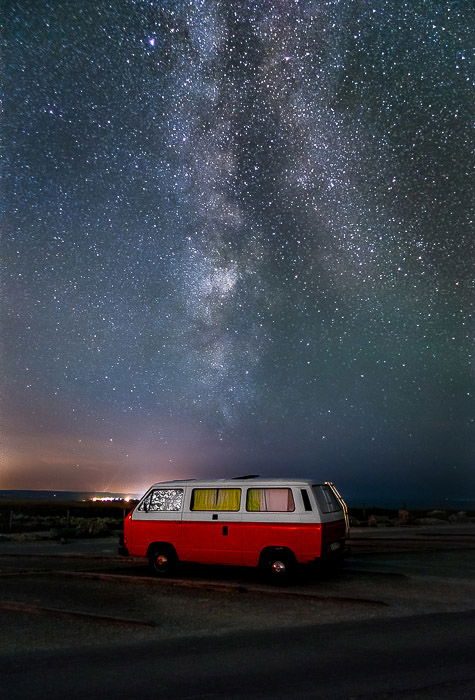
237 482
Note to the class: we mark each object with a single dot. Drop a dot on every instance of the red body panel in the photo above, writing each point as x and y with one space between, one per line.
303 539
232 542
211 542
335 530
139 534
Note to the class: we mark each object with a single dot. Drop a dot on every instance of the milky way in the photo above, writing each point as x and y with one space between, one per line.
238 237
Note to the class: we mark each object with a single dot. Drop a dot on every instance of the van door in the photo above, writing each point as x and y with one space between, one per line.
157 518
211 526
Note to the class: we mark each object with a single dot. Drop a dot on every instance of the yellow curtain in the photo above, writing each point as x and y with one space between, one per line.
216 499
254 500
228 499
204 499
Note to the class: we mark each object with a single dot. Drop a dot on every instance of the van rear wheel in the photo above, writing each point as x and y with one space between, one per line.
278 567
162 561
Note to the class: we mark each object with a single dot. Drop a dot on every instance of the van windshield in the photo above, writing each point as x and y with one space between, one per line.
162 500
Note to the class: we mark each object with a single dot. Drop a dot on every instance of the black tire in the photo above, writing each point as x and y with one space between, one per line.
278 567
162 561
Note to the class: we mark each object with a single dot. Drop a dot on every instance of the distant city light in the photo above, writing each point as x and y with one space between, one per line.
111 498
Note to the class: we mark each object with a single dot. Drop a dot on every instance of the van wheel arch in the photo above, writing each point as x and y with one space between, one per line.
162 558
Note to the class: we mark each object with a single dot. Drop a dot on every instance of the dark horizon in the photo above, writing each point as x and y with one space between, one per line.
352 501
238 238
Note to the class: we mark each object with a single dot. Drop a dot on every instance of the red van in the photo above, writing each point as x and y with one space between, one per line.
271 523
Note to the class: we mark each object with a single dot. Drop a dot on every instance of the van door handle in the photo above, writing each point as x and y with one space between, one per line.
225 530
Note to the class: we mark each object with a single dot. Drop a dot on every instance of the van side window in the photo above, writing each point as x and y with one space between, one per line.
306 500
270 500
216 499
326 499
162 500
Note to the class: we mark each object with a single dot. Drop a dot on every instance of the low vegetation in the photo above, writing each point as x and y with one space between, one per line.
379 517
65 521
61 521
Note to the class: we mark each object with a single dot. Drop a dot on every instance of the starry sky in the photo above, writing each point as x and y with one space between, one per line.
237 238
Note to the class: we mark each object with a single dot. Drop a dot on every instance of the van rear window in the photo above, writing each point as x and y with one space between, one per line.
326 499
162 500
274 500
216 499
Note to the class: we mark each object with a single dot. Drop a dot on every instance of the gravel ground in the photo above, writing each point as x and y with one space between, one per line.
51 596
72 609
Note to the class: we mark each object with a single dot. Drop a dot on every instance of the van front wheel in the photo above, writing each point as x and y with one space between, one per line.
162 561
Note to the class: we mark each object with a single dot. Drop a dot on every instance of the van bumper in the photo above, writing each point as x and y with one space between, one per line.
333 552
333 549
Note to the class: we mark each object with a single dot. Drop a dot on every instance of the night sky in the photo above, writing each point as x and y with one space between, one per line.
238 238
